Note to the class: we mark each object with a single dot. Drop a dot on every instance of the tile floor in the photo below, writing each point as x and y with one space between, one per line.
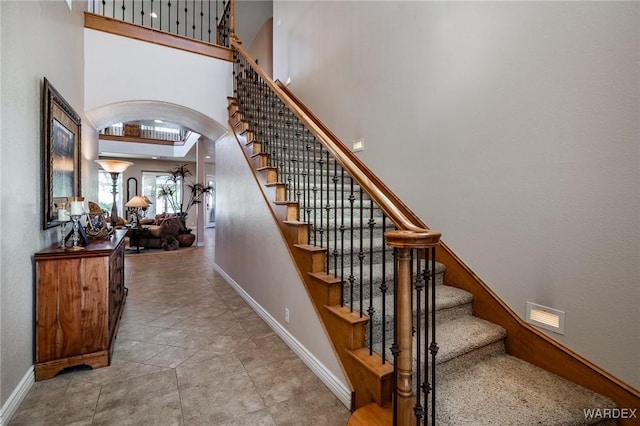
189 351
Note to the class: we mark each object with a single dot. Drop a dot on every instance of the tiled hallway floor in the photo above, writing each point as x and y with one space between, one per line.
189 351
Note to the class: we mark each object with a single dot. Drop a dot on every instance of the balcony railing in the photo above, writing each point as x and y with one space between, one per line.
210 21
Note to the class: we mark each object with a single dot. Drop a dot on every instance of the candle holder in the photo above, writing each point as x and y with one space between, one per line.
75 218
76 210
63 235
63 218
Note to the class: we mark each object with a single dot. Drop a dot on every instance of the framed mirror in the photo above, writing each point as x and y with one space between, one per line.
61 151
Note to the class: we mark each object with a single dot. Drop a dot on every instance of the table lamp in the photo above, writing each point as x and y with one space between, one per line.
137 202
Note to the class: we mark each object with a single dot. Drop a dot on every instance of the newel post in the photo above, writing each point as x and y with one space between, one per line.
403 242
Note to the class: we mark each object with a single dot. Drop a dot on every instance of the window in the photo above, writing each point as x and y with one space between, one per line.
162 191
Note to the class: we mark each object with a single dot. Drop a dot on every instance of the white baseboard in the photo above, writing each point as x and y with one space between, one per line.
325 375
16 397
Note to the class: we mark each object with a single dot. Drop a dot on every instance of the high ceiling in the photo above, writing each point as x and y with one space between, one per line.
250 16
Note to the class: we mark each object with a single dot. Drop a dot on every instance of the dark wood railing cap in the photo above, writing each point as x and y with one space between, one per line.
412 239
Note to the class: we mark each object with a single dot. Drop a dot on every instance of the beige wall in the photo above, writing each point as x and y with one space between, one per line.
261 49
251 250
512 127
39 39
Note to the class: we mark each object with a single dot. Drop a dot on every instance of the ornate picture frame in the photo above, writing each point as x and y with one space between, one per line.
61 153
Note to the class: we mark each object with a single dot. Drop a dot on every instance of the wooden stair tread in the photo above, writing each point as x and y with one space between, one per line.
325 278
372 415
372 362
310 248
344 313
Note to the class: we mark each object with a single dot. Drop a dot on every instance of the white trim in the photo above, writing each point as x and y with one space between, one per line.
17 396
325 375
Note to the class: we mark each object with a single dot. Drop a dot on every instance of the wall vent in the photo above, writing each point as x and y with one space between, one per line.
545 317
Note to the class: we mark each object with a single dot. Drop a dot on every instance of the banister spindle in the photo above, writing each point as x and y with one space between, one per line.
370 309
383 291
352 278
335 180
186 11
193 18
361 254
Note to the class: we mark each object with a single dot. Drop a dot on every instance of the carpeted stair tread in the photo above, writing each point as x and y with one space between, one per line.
446 297
503 390
461 336
462 341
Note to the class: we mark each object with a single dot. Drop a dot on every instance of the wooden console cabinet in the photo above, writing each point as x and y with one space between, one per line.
79 301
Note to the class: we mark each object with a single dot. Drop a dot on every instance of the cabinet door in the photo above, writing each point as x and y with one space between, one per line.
116 287
72 302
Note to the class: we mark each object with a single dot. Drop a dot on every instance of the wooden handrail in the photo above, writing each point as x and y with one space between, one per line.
401 216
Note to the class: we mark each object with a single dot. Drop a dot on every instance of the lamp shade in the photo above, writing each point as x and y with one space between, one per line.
137 202
147 200
114 166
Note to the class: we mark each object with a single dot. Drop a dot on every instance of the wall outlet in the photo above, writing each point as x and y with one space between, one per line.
286 315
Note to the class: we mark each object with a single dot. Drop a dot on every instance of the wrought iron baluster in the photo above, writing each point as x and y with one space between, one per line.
361 252
315 191
160 18
321 208
352 278
419 285
209 20
342 229
291 163
328 209
193 19
178 17
185 17
335 218
299 171
370 309
383 290
433 347
123 9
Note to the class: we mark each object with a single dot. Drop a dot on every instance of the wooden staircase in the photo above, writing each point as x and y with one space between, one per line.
370 379
468 314
464 339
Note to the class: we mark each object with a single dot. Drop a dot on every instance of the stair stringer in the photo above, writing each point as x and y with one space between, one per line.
369 379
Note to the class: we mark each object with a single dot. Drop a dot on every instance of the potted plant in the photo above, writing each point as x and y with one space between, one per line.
195 191
170 242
